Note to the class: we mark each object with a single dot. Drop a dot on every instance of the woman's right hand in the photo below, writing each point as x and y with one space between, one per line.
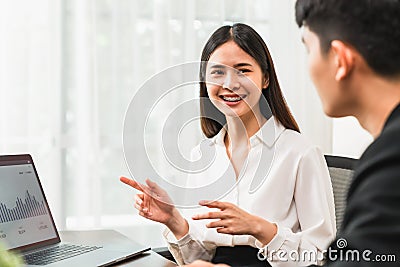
155 204
200 263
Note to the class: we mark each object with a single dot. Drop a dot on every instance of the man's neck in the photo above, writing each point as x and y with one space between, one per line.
376 104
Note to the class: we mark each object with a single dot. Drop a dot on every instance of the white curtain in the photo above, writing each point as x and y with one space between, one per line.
30 91
68 69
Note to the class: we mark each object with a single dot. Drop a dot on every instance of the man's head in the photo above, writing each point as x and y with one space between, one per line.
348 40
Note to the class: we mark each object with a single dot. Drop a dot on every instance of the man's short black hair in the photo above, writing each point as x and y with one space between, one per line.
372 27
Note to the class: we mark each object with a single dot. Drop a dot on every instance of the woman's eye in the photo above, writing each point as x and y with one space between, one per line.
217 72
242 71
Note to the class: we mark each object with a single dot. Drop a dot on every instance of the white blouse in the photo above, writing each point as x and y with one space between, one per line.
296 195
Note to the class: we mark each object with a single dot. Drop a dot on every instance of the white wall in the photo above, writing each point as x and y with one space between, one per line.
349 138
291 65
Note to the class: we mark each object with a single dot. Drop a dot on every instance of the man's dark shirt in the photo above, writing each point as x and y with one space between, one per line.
371 224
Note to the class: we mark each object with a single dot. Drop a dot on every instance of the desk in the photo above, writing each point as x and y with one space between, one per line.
147 259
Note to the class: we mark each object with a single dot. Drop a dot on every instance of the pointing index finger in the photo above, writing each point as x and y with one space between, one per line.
131 183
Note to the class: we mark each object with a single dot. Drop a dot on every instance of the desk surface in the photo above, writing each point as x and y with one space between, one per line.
147 259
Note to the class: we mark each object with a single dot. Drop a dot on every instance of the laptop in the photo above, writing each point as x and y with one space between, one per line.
27 226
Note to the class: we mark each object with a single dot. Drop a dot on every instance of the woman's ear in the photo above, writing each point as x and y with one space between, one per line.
265 82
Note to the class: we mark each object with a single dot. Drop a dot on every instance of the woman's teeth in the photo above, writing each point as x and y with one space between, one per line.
231 99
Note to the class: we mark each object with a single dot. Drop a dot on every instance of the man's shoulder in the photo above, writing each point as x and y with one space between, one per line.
381 157
390 133
379 166
372 214
384 149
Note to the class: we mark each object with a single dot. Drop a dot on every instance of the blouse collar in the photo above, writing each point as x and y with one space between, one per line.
267 134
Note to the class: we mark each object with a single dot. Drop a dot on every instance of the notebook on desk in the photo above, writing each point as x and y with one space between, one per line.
27 226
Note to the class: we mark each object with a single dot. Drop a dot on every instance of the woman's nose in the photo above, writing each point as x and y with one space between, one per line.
231 82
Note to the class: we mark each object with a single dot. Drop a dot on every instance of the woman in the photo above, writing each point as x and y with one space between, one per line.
289 212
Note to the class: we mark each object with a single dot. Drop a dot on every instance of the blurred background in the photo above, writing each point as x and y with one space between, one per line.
69 68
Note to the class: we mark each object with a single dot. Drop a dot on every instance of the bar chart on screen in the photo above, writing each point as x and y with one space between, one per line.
24 214
29 207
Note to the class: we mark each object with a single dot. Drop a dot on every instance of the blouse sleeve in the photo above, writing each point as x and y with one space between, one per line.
313 197
191 246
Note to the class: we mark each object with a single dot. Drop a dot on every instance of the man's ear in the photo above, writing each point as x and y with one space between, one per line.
344 59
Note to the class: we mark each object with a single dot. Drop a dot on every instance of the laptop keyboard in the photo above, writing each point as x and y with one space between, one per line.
57 253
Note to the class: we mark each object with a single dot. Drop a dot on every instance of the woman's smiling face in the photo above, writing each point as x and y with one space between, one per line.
234 81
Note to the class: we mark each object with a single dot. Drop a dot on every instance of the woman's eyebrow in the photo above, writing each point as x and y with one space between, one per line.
218 66
238 65
242 65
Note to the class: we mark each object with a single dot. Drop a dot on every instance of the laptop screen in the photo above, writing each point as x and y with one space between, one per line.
25 218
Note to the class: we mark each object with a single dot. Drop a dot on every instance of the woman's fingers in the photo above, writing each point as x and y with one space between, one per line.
142 204
217 224
152 185
139 198
157 192
154 188
214 204
146 200
150 188
137 206
146 203
132 183
138 186
209 215
226 230
224 212
139 202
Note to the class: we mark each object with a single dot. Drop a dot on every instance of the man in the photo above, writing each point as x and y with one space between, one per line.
354 61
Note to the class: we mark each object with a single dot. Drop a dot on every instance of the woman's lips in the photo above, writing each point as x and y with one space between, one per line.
232 100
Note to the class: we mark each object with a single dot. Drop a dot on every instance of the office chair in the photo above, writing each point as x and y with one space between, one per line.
340 170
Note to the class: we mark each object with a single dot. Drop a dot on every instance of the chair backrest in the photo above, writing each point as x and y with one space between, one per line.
341 171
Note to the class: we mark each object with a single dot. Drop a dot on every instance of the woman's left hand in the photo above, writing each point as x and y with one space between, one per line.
235 221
